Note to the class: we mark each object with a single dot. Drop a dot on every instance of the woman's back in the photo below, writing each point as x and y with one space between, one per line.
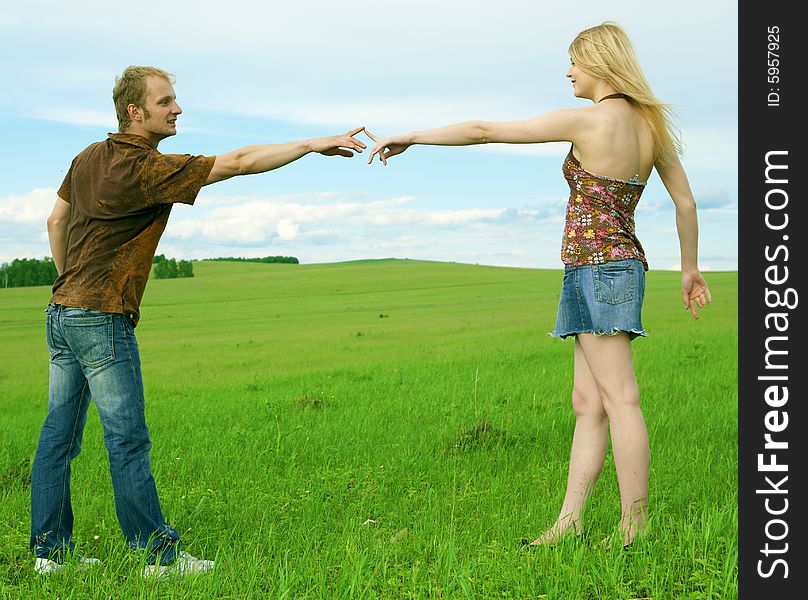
617 142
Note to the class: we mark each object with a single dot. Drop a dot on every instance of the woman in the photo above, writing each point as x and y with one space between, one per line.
615 144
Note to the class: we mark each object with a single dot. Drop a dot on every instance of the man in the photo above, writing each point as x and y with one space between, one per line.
111 210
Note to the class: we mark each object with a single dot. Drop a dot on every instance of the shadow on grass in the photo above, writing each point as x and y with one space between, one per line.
482 436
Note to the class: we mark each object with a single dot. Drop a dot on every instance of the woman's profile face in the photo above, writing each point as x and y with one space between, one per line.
583 84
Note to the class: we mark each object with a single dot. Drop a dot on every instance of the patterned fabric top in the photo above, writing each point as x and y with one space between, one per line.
600 217
120 193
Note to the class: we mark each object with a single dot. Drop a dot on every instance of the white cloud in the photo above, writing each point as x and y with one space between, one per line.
23 229
75 116
260 220
33 207
287 229
328 227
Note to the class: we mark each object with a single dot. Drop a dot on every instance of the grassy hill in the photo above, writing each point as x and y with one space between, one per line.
385 429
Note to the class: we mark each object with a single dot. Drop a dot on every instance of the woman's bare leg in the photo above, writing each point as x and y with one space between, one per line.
609 361
589 445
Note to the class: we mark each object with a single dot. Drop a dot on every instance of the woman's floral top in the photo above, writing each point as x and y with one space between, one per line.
600 218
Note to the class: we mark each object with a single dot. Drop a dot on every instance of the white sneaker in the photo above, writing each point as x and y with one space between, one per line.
184 565
45 565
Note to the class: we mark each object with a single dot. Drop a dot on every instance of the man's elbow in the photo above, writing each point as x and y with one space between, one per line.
237 163
246 166
56 223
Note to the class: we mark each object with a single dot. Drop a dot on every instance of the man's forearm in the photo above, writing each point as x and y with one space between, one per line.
263 158
251 160
57 237
57 233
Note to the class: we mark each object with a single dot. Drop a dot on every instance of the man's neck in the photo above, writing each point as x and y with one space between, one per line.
154 139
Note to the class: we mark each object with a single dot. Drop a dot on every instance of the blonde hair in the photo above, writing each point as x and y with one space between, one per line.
131 88
605 51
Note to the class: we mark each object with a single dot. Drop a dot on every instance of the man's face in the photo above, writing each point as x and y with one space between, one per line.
160 110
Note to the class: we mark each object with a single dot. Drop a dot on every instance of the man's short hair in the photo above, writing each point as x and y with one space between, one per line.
131 88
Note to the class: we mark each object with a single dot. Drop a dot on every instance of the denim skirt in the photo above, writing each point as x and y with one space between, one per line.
603 299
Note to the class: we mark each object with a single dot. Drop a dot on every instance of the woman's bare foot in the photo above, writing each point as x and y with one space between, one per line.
559 531
630 533
634 522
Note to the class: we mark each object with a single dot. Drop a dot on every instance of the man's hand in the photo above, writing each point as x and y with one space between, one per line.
386 147
695 292
339 145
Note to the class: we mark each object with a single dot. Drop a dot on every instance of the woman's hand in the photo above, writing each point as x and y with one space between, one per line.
695 292
386 147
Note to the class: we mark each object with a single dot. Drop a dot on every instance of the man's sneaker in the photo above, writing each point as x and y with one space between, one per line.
45 565
184 565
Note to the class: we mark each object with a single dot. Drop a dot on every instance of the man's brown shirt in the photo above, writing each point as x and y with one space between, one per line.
120 193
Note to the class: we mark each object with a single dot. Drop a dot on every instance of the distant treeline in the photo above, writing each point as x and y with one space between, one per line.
266 259
22 272
171 268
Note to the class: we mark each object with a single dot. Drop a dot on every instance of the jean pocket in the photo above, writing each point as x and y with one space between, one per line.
614 283
82 312
90 338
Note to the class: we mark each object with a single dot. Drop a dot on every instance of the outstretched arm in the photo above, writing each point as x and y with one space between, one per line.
555 126
260 159
694 288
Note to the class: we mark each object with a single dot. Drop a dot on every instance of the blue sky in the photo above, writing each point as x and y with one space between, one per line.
264 72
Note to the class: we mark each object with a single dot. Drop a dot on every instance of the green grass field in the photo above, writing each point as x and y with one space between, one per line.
384 429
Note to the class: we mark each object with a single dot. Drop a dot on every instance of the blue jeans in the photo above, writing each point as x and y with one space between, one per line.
95 355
